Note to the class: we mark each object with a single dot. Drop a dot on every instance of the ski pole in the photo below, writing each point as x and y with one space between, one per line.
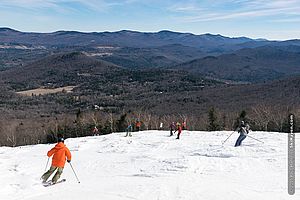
45 167
227 138
74 172
255 139
47 164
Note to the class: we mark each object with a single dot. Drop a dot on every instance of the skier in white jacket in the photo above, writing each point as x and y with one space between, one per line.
243 130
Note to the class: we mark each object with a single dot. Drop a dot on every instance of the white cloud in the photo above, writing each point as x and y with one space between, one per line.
250 4
249 14
97 5
235 9
184 7
28 3
287 20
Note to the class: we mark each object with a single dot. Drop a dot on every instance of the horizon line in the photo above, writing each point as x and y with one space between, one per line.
147 32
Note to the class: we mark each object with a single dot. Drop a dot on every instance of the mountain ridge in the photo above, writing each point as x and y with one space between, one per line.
163 49
159 38
249 64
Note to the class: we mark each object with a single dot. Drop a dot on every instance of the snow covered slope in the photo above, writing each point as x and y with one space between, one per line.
151 166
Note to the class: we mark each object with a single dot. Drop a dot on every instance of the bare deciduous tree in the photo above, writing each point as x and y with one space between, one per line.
11 133
261 116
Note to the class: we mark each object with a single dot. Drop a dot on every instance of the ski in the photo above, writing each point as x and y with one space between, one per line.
49 183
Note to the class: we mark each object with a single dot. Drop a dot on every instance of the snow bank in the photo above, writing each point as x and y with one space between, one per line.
150 165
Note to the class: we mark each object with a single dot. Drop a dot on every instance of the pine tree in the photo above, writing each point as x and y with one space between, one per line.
223 125
78 121
212 119
242 117
121 123
106 128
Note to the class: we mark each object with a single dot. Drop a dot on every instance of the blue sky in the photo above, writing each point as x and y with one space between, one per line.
271 19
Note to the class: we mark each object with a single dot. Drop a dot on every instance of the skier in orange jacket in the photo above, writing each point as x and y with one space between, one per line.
60 153
138 125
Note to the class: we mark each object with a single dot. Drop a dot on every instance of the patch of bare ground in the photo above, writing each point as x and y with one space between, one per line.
44 91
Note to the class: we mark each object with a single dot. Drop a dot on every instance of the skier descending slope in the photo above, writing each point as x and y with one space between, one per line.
128 130
179 130
243 130
60 152
172 128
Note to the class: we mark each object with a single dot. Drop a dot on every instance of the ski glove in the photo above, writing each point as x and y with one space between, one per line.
68 161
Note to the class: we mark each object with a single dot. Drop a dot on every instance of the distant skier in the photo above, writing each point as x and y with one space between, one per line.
60 153
138 125
183 125
161 126
172 128
243 130
128 130
178 129
95 131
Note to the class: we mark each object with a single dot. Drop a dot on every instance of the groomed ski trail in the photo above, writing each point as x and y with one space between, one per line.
150 165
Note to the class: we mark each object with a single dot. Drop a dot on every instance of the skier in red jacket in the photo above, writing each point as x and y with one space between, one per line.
60 153
179 129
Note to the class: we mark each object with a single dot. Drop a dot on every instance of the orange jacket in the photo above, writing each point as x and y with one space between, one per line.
138 124
60 152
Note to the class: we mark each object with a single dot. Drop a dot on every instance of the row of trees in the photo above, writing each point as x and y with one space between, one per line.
45 130
260 118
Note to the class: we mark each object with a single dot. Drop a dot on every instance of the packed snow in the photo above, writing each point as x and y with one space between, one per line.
150 165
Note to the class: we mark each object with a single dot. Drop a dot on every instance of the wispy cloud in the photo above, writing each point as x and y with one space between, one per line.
287 20
184 7
236 9
274 3
27 3
240 15
96 5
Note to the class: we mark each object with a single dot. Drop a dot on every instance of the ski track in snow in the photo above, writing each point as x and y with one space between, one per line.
151 166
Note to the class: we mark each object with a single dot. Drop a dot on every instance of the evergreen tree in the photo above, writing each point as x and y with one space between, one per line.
223 125
242 117
106 128
50 137
212 119
121 123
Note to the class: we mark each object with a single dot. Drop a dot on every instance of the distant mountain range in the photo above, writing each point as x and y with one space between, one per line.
126 38
214 56
123 38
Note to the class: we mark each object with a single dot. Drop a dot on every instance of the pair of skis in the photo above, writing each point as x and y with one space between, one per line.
50 183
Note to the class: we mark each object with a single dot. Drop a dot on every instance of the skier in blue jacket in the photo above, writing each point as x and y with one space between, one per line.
128 130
